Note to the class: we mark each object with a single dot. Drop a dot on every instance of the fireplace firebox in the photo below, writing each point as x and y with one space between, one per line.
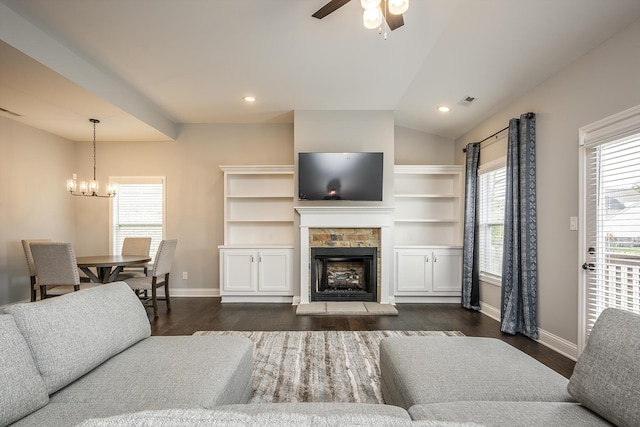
344 274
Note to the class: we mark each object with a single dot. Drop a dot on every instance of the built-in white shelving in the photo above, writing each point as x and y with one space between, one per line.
428 232
255 260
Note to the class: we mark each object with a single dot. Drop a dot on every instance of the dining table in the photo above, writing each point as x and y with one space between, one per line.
107 267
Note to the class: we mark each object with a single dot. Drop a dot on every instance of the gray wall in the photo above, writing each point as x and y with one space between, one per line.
34 167
601 83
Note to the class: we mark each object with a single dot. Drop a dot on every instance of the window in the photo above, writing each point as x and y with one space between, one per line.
491 186
610 202
138 211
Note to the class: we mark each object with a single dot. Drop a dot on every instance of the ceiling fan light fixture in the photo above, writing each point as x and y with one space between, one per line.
370 4
398 7
372 18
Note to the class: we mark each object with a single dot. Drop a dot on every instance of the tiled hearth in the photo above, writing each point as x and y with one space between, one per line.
347 227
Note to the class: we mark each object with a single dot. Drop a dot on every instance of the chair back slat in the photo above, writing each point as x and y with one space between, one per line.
55 264
136 246
164 257
26 245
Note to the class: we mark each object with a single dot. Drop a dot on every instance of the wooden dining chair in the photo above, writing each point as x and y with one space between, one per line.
31 267
56 268
159 276
135 246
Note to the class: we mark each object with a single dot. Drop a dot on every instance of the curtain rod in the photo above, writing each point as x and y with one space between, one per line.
464 150
528 115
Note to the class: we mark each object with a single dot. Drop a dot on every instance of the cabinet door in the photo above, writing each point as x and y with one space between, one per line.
238 270
447 270
412 271
274 266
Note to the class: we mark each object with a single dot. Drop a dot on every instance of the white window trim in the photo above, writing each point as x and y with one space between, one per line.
608 129
139 180
486 168
492 165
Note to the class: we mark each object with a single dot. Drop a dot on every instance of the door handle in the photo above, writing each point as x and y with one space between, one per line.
589 266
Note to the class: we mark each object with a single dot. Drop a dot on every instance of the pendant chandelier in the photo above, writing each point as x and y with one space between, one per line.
90 188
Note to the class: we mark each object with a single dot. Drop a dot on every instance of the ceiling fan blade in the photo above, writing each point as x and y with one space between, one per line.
330 7
393 21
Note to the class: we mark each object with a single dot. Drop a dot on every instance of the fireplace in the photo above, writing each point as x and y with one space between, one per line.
344 274
346 218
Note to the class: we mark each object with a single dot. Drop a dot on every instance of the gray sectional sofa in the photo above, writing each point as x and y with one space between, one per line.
88 359
89 354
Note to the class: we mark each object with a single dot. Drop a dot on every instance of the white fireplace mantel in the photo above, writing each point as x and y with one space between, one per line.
347 217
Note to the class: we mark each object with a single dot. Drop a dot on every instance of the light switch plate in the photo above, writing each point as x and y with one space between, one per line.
573 223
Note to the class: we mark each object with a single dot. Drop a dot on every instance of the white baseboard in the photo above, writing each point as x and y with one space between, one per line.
401 299
558 344
296 300
192 292
490 311
256 298
554 342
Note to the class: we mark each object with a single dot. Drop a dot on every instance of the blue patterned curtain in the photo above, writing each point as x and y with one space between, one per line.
470 260
520 254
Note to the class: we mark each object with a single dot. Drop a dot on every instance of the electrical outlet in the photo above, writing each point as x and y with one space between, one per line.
185 275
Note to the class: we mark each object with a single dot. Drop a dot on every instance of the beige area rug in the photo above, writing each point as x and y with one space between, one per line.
319 366
346 308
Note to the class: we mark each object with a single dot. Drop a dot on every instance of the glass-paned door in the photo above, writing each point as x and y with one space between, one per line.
612 227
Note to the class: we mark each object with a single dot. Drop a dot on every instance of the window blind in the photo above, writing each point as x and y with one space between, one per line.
138 211
492 186
612 229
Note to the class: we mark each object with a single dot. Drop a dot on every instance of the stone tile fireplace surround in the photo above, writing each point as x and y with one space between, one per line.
352 226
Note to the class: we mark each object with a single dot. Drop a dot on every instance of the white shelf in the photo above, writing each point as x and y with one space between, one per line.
428 205
426 196
258 205
410 220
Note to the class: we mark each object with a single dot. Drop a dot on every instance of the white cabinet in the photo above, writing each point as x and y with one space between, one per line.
264 271
428 272
256 258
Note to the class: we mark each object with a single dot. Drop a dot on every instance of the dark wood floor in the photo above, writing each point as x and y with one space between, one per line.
208 314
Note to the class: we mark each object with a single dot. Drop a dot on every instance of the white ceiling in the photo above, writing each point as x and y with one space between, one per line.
144 67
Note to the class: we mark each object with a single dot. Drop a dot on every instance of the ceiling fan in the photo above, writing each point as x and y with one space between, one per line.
393 21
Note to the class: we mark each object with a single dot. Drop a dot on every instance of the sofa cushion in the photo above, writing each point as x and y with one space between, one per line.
319 408
170 372
70 414
22 389
510 414
418 370
607 373
72 334
202 417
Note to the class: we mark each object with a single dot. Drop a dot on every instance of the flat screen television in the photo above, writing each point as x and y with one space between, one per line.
340 176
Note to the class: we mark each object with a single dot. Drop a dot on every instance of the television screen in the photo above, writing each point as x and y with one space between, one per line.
340 176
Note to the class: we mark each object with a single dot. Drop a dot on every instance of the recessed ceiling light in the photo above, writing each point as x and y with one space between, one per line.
250 98
444 109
